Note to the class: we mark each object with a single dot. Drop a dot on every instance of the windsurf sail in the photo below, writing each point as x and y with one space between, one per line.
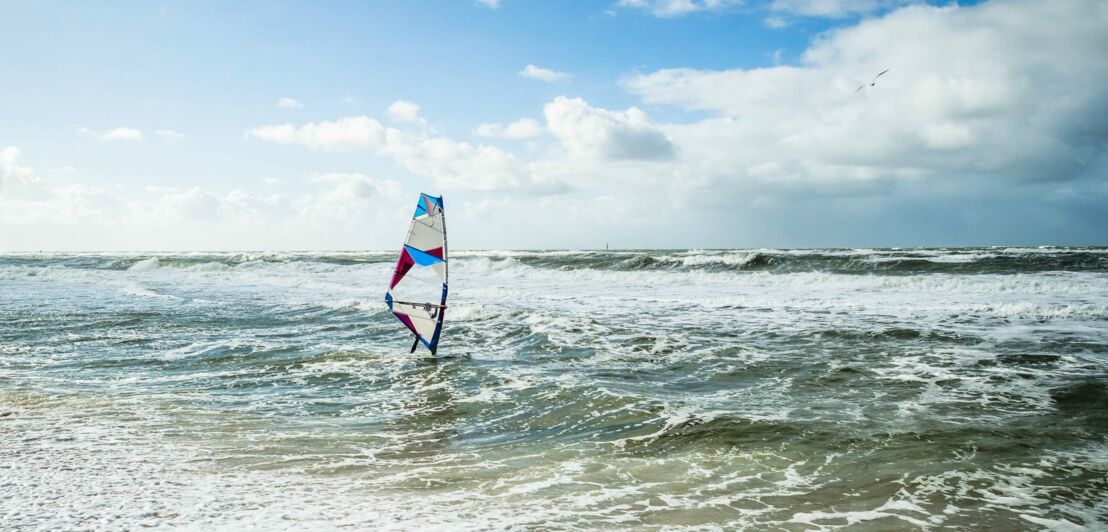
417 291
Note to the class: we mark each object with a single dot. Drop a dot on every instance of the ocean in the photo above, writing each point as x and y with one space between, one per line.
791 389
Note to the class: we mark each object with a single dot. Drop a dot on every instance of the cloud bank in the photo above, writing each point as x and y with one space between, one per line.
454 165
977 99
988 118
594 133
76 216
972 92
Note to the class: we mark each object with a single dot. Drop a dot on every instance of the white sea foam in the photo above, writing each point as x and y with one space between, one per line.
272 390
210 267
693 259
476 312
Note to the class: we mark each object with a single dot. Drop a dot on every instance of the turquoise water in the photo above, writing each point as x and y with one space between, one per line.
790 389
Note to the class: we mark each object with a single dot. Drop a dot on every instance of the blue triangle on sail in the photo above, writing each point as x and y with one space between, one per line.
421 258
436 201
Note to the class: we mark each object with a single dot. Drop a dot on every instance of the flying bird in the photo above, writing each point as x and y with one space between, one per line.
872 83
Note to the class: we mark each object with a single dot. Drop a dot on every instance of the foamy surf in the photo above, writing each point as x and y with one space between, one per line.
807 389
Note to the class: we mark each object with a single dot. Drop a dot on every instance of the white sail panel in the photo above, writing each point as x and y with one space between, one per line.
426 233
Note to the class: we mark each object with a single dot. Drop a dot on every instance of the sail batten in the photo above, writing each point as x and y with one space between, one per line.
417 291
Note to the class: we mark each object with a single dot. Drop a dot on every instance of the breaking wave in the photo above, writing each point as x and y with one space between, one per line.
841 261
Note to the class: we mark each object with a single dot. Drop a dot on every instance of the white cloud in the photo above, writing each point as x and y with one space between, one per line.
775 22
14 178
71 205
832 8
543 74
109 135
491 4
459 165
38 215
288 103
194 205
992 100
350 133
991 95
594 133
673 8
170 135
343 198
25 200
560 221
985 99
340 200
404 111
524 128
810 8
452 164
350 195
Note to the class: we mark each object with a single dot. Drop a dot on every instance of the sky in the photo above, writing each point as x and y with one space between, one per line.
630 123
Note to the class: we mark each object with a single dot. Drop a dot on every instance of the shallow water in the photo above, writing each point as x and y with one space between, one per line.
796 389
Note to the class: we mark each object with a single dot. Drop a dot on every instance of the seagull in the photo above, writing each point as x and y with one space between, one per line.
872 83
